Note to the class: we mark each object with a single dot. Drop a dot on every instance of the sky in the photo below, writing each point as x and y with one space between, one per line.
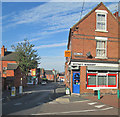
46 25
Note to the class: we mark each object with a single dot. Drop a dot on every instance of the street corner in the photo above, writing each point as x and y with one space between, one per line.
62 100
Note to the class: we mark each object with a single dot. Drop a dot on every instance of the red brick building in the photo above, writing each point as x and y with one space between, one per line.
95 56
10 72
49 75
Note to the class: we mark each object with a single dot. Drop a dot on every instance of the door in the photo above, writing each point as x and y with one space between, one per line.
76 82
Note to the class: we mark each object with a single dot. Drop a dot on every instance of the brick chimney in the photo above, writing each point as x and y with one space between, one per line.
2 51
116 14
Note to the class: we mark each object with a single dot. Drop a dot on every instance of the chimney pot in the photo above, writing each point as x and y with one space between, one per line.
2 51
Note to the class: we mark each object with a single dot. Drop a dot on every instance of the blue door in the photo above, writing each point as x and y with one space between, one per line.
76 82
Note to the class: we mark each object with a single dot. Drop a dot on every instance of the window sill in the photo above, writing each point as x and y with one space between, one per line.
101 57
101 31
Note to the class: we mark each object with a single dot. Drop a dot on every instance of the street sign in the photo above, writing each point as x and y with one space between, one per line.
67 53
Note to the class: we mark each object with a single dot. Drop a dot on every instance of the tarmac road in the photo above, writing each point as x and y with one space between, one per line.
27 104
41 101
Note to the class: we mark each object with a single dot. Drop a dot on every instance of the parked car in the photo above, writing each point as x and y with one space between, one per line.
43 82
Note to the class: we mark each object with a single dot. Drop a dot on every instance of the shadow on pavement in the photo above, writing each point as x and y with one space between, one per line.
32 100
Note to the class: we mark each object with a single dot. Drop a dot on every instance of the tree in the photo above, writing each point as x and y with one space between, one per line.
26 57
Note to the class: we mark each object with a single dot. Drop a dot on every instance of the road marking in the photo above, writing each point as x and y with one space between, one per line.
92 103
53 102
99 106
53 113
80 101
17 104
67 102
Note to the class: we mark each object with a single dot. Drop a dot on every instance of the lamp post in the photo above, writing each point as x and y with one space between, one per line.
54 72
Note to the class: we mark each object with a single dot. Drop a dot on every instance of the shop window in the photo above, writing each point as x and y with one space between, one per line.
102 80
111 80
92 80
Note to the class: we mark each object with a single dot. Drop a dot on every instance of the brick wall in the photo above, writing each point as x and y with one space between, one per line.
18 76
84 44
83 88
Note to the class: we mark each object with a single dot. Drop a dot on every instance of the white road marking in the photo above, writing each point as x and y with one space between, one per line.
53 103
99 106
17 104
68 102
80 101
73 111
92 103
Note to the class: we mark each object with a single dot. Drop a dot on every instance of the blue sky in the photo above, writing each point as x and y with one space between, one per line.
44 24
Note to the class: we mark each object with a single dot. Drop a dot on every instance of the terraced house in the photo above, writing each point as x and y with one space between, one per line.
10 72
95 53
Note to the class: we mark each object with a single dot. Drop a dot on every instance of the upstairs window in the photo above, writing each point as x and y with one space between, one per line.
101 20
101 47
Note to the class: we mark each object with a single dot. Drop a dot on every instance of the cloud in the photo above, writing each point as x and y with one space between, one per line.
50 15
51 45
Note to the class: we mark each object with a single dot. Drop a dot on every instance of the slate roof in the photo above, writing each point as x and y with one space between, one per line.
12 66
9 56
49 72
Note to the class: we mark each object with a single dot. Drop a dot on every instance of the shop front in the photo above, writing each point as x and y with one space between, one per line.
89 77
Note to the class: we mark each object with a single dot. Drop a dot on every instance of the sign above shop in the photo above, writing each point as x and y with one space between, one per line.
67 53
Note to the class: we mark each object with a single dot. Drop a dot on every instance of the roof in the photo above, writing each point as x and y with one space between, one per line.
12 66
49 72
11 56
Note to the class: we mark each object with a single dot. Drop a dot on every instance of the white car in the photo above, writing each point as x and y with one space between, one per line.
43 82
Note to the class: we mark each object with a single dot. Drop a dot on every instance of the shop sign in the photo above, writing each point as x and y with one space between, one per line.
84 64
67 53
13 91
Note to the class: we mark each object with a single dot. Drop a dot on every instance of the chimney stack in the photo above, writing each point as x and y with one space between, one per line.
2 51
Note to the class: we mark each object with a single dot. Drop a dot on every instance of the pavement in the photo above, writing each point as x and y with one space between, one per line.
59 96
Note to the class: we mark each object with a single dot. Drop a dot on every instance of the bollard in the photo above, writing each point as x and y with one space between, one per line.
98 94
118 93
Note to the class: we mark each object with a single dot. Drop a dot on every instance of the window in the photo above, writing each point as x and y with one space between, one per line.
91 80
102 80
101 22
111 80
101 47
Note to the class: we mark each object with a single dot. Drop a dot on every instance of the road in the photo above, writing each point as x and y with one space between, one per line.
41 101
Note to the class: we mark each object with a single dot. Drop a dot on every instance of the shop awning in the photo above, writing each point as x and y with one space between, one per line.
103 68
